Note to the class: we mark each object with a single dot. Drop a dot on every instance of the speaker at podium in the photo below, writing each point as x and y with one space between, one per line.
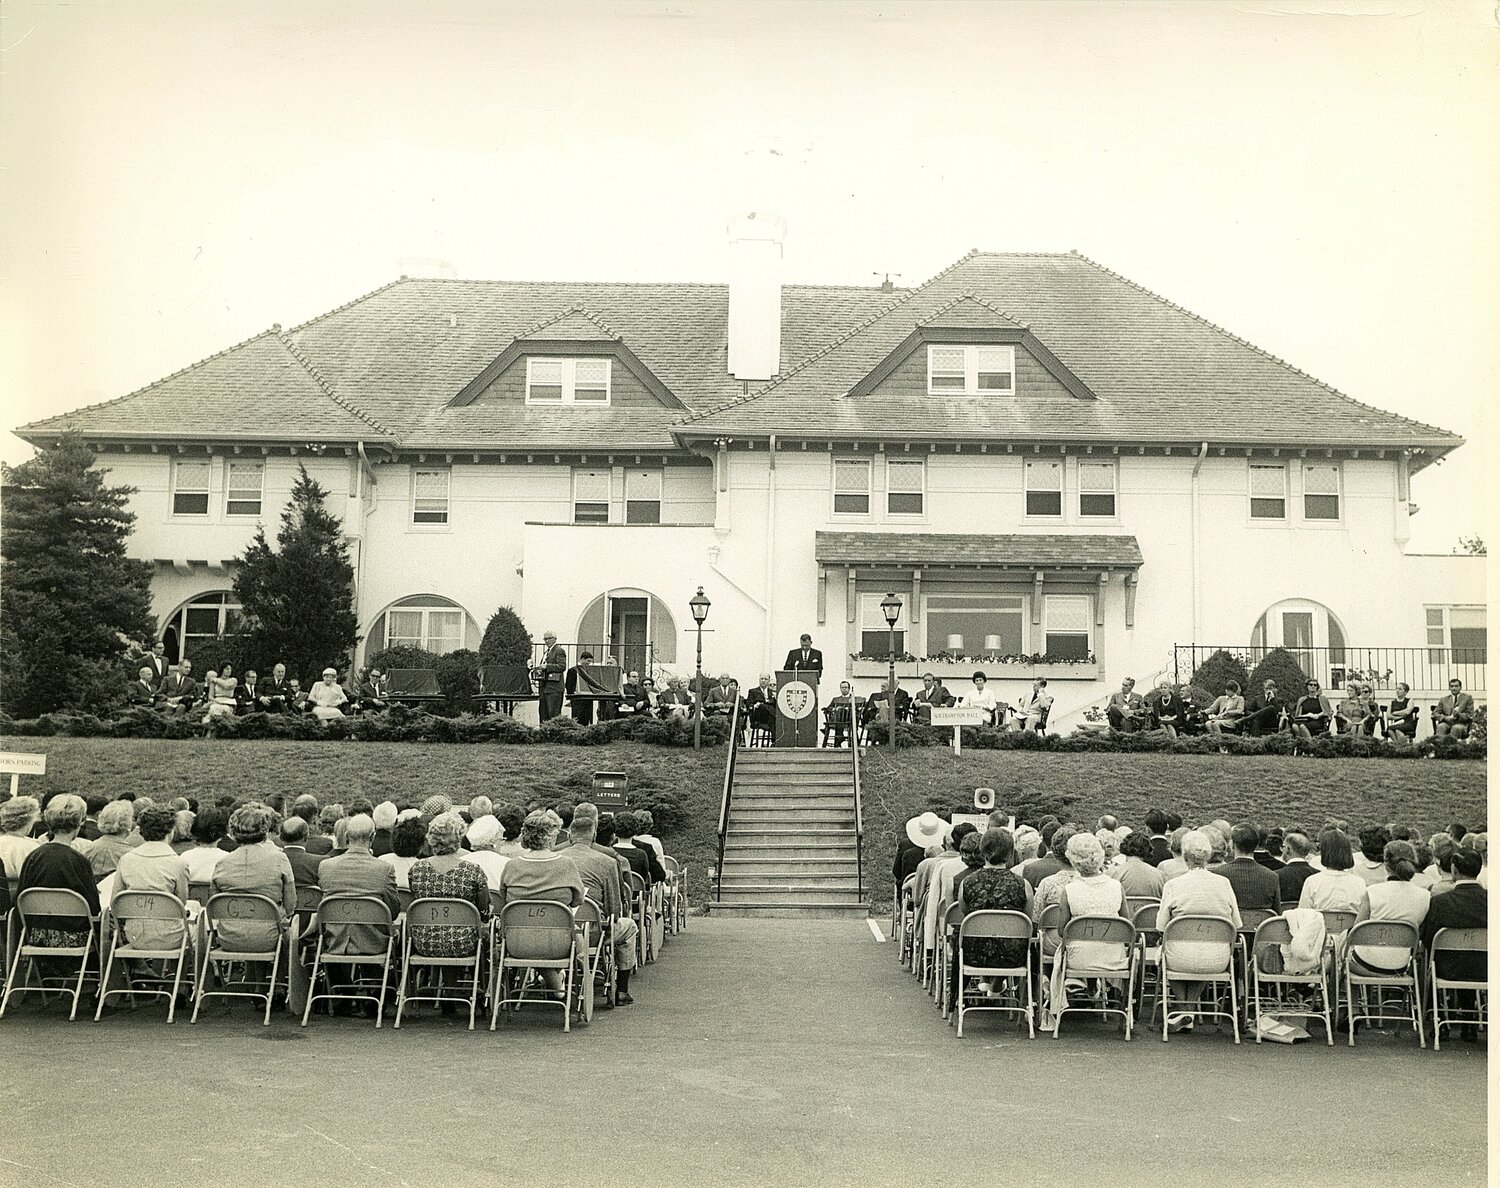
796 709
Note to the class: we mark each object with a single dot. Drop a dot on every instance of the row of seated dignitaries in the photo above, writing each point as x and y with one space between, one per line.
223 693
480 852
1381 872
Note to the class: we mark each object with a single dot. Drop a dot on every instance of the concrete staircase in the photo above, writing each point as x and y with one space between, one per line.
790 847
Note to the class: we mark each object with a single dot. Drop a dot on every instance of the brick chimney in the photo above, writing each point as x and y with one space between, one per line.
755 295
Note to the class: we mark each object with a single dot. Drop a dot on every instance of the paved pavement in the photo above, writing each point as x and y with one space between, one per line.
775 1052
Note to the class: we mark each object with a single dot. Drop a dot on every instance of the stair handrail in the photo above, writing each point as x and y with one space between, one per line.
859 819
734 748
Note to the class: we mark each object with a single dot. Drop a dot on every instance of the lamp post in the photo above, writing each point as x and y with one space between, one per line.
890 606
699 604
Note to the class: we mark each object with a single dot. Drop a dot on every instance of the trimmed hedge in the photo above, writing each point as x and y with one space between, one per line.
397 724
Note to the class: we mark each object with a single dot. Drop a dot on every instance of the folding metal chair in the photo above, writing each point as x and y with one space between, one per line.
1045 935
440 912
948 966
1134 903
308 899
134 907
682 897
349 911
1101 930
999 925
906 934
1392 934
199 892
46 907
534 935
1148 961
597 930
640 910
1451 941
1203 930
242 909
670 895
1277 932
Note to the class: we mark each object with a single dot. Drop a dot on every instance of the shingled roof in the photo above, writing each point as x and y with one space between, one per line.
979 550
387 366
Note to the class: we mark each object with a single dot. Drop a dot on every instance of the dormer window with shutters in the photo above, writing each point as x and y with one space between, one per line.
568 381
977 370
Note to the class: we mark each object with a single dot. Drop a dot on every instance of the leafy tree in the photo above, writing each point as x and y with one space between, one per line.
72 604
298 599
1280 666
506 640
1473 545
1218 670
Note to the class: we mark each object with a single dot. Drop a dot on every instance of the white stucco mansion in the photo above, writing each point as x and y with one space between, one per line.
1038 456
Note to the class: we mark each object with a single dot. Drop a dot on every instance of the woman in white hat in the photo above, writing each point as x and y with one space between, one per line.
327 697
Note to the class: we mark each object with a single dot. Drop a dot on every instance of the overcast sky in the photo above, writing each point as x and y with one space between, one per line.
178 176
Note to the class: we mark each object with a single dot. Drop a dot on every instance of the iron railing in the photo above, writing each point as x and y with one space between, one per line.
859 820
734 750
1426 670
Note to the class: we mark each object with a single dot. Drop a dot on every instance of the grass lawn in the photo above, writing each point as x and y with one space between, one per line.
1273 790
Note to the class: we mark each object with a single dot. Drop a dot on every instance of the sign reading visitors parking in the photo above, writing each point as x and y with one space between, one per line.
796 699
956 716
19 763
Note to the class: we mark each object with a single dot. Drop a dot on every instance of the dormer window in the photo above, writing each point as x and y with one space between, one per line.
567 381
971 370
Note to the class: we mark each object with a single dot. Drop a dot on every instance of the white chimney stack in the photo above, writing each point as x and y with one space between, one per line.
755 295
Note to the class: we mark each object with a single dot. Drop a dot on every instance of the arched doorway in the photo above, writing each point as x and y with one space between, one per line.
633 626
1309 631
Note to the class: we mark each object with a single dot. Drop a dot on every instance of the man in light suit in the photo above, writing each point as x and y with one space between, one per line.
358 872
1454 713
1126 708
805 658
550 684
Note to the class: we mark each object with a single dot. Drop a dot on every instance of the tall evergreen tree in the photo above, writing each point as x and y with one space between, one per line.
298 599
71 602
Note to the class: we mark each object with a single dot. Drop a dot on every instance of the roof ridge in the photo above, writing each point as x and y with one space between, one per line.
324 386
576 308
144 388
328 313
970 295
1261 351
857 328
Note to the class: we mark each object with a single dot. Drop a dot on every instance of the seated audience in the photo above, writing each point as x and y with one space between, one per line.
1038 706
675 701
1109 842
275 695
294 845
358 872
760 703
407 841
839 715
645 822
1465 905
878 707
1199 892
994 888
1369 863
56 864
143 690
1174 866
1049 889
1268 852
599 870
116 824
1296 869
1090 892
1335 888
482 836
722 697
511 818
201 860
255 867
218 691
1397 898
542 872
1137 877
322 837
1156 823
247 693
1255 887
980 696
327 698
447 874
1049 863
154 866
642 859
384 819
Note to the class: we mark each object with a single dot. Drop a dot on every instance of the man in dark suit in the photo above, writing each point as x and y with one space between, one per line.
577 687
1464 905
1161 848
276 694
1255 887
878 706
143 689
294 845
179 691
1269 711
156 661
1295 847
805 658
551 677
246 693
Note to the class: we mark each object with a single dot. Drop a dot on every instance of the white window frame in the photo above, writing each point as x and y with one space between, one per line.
1338 494
230 490
206 490
932 605
972 354
1251 497
920 466
1441 650
569 368
1049 601
1061 490
447 509
869 491
1107 464
635 475
222 601
872 618
608 500
425 638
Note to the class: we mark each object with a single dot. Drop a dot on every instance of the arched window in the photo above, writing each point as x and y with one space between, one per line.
1307 629
199 621
633 626
427 621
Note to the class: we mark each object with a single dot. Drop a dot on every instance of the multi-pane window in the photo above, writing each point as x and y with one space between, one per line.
1267 491
190 487
199 623
875 632
971 370
567 381
1096 488
591 497
1320 491
243 483
1044 487
1461 628
429 496
1068 624
851 487
975 624
905 487
434 629
643 497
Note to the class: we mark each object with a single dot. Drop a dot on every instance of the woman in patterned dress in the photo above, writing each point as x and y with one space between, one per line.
994 888
447 875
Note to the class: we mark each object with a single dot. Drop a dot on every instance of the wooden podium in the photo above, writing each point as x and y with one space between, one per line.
796 709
